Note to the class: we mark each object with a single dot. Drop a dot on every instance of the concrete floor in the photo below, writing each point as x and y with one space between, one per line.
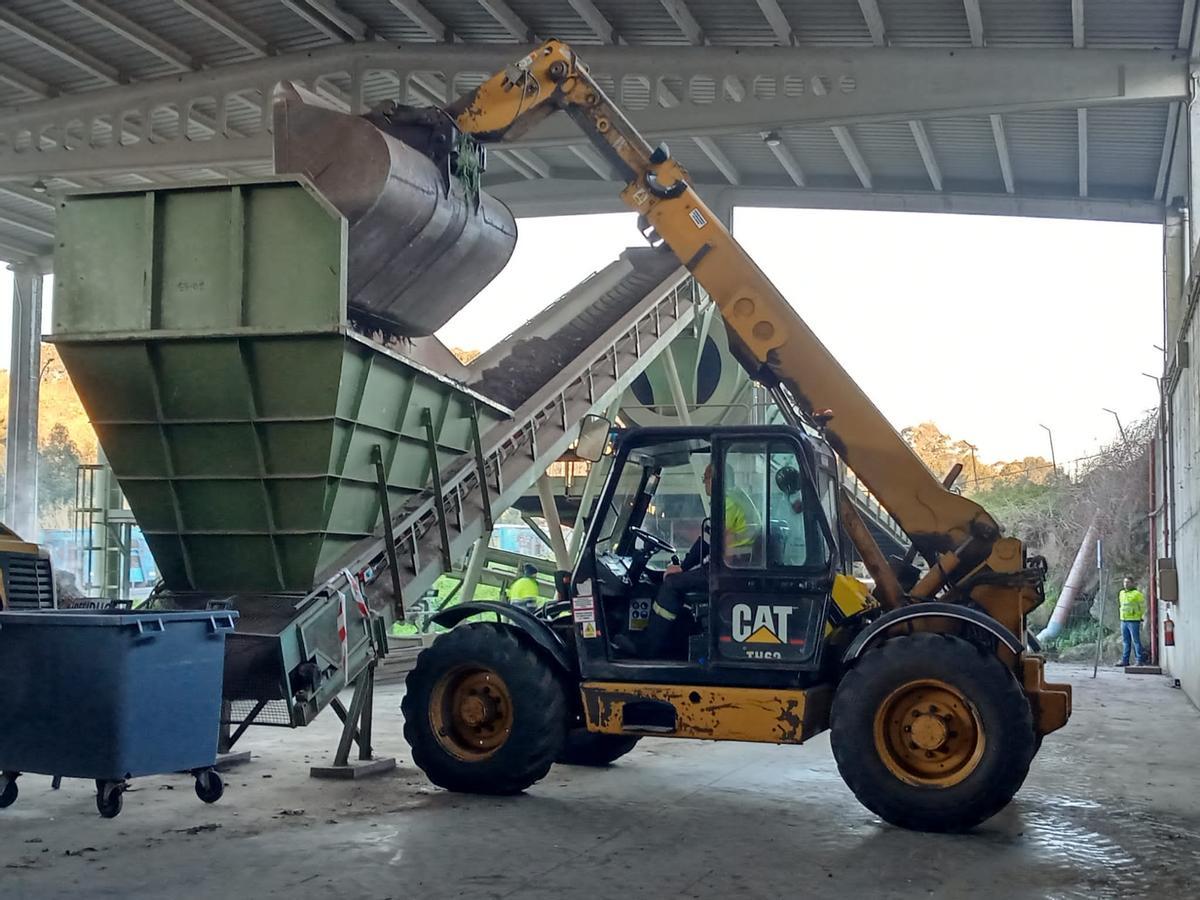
1110 810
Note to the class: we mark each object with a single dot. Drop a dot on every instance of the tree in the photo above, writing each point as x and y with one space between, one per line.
58 462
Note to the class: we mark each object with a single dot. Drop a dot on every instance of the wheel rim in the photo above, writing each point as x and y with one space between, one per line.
929 734
471 712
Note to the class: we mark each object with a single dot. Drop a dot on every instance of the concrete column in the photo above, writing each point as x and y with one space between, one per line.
24 371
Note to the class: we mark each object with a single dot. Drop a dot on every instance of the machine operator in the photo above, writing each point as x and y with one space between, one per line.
691 575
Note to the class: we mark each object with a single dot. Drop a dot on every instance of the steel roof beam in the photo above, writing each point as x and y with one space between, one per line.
1186 21
433 26
874 20
28 197
778 21
531 160
16 220
710 149
1082 132
1001 140
596 20
510 160
219 20
885 88
678 10
26 82
565 197
63 49
133 32
853 155
594 161
786 159
351 24
328 18
1078 36
932 169
1164 160
504 14
14 248
974 22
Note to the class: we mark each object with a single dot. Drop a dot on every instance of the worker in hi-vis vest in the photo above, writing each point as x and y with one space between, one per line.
1133 609
524 590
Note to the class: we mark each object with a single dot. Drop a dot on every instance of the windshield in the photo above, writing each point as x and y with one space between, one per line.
661 490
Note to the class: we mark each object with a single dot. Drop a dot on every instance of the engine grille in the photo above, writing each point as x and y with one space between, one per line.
28 581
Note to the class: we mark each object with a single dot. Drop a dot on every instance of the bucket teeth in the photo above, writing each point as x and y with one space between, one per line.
418 248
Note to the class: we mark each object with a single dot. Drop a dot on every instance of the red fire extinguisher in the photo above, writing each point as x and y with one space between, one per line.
1169 632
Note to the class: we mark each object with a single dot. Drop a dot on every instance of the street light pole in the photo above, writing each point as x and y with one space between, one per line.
1120 427
1053 461
974 470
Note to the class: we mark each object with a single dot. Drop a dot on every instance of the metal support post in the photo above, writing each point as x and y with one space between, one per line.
438 496
485 494
356 729
1192 111
591 486
385 509
24 371
553 523
475 566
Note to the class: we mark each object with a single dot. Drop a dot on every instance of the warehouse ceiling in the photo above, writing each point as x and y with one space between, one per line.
1024 107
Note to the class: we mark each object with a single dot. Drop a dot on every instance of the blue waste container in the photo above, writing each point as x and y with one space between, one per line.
111 694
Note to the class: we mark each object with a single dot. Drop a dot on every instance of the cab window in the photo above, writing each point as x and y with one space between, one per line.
772 517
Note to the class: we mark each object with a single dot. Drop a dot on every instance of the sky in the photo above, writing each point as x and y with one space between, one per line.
988 326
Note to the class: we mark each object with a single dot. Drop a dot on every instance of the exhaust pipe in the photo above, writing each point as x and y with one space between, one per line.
420 247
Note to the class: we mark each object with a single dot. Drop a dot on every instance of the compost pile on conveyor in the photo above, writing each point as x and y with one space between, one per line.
531 362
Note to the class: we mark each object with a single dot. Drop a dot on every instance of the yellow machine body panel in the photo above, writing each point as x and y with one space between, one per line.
763 715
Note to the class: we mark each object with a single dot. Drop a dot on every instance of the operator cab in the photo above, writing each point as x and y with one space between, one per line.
762 499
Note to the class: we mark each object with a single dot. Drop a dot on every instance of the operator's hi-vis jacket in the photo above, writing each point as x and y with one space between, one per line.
1133 605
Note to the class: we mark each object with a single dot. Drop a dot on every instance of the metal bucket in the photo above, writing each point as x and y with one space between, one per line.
419 250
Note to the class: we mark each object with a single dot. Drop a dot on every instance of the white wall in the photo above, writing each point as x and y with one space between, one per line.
1183 660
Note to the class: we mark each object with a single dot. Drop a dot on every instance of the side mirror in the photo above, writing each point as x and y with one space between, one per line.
593 438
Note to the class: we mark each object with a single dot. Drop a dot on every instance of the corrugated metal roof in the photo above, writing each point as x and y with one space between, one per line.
1124 148
1044 147
924 23
1144 25
1124 143
966 152
1022 23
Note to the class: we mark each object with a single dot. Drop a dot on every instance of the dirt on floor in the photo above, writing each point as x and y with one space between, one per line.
1111 809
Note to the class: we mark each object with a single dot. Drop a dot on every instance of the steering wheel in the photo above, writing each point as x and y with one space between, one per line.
651 542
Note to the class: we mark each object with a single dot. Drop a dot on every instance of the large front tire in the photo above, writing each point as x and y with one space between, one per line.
931 733
483 712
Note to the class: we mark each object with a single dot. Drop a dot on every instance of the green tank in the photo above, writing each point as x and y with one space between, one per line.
207 330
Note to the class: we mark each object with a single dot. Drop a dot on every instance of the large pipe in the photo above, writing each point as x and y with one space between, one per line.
1075 579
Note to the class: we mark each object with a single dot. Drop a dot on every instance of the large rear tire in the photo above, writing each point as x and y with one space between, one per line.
586 748
483 712
931 733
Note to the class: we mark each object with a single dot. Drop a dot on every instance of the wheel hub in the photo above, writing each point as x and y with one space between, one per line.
927 733
471 711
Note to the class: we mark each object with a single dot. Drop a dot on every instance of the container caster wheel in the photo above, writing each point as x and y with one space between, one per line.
108 798
209 786
8 789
